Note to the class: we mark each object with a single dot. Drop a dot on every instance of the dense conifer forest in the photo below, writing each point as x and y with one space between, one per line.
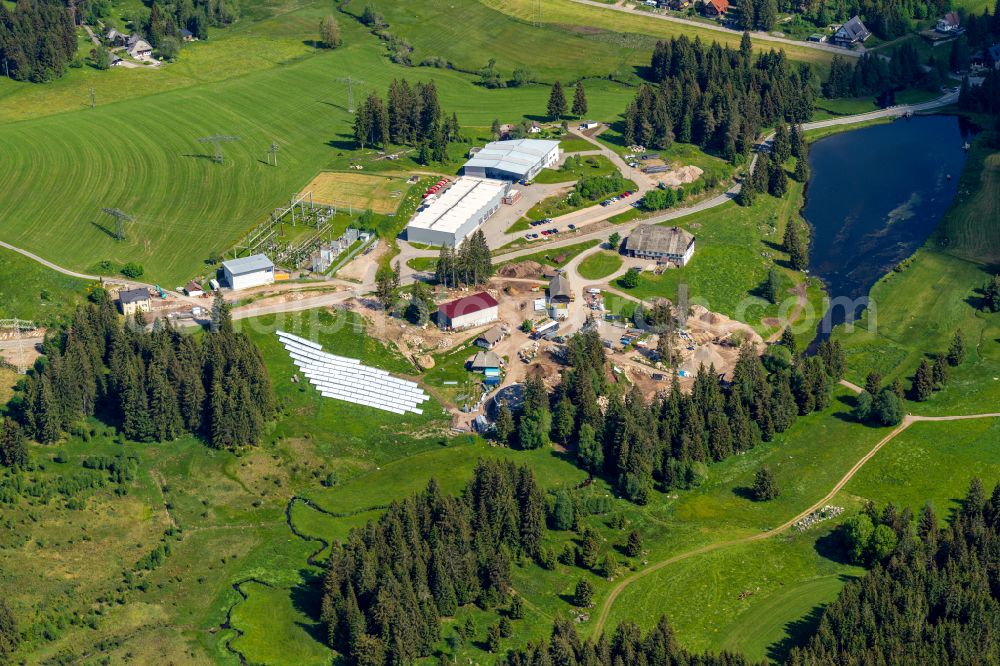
387 587
154 385
37 39
664 444
716 97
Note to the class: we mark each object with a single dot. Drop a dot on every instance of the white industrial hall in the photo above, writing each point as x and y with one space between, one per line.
343 378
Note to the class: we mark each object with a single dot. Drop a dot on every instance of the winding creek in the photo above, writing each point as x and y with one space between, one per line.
874 197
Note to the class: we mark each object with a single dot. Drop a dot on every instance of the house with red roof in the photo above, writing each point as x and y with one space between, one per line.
715 7
468 312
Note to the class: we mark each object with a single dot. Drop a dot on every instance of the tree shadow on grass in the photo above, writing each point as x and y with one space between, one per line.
797 633
849 401
307 598
345 142
831 546
744 492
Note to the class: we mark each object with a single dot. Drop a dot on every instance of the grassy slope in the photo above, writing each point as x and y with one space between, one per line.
30 291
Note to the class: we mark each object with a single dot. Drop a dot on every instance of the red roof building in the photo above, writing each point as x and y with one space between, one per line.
716 7
475 310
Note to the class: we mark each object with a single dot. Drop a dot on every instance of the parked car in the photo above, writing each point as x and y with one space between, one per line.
572 227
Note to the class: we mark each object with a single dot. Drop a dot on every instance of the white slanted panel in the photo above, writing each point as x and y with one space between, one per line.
347 379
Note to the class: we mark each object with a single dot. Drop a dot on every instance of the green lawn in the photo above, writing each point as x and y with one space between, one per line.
932 462
30 291
293 633
547 257
577 167
422 263
600 265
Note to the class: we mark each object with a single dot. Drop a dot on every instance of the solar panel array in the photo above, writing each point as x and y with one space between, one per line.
346 379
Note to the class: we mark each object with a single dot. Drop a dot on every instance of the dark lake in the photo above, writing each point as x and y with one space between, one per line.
874 196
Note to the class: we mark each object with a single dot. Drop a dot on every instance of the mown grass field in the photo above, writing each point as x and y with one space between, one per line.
600 265
140 155
576 167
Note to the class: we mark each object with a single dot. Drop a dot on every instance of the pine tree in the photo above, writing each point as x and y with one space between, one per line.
10 636
940 371
579 101
516 611
504 426
801 170
956 351
633 548
923 382
764 485
13 450
583 595
557 101
781 147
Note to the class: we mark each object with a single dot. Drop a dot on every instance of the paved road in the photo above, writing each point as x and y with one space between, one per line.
761 36
908 420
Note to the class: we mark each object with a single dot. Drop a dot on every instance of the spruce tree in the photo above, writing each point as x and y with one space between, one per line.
504 426
764 485
579 101
940 371
633 548
557 101
923 382
956 351
13 450
583 595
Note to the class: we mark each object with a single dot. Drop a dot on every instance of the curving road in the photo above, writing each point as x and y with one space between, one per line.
762 36
908 420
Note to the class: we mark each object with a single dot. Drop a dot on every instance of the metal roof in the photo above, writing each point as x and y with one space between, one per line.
653 238
245 265
492 336
465 198
133 295
468 305
516 156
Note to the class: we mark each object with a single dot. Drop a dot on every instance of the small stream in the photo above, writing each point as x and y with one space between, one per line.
874 197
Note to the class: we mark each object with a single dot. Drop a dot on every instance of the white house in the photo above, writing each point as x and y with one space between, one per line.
949 23
476 310
248 272
851 33
139 48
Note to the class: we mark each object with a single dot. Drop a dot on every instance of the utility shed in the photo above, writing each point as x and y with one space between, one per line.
490 338
475 310
662 244
518 159
485 361
457 212
248 272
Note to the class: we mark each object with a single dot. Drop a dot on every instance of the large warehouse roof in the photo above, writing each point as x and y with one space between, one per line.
459 202
517 156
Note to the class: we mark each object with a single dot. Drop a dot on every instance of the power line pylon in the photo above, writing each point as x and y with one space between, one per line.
121 218
217 142
350 81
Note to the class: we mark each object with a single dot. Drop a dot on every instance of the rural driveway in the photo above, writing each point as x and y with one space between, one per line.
762 36
908 420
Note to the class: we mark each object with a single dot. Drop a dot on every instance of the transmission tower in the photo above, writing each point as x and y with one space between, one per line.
350 81
272 154
217 142
120 219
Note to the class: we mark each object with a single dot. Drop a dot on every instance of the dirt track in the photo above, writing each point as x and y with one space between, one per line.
908 420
